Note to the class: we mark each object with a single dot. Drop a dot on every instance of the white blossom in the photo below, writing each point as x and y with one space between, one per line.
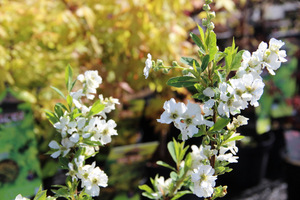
204 180
20 197
148 65
173 111
95 179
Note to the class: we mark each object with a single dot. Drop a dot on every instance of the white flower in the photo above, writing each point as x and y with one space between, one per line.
207 107
77 98
189 120
62 125
19 197
204 180
72 172
109 105
223 156
162 185
173 111
79 161
95 179
148 65
275 45
106 130
209 92
84 172
63 149
91 80
200 154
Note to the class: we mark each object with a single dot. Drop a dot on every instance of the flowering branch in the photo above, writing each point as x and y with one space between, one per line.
221 98
82 130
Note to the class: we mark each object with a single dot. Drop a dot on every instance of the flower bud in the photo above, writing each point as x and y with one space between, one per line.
159 63
206 7
208 1
224 191
211 15
174 64
204 22
211 26
206 140
165 71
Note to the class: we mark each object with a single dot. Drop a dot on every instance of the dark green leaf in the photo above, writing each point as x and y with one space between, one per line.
198 42
58 110
51 117
189 61
63 161
205 62
182 81
62 106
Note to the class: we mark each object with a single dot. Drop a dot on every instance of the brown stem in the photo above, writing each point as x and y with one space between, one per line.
212 144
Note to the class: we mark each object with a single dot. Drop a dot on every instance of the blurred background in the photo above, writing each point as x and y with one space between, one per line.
38 38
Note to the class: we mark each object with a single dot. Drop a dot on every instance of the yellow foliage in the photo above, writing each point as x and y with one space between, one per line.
38 38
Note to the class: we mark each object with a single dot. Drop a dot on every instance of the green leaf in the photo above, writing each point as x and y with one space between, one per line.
51 117
63 161
238 137
174 176
202 37
62 192
41 194
161 163
68 77
236 63
58 91
69 101
148 195
182 81
220 124
58 110
188 162
189 61
146 188
212 45
198 42
180 194
62 106
205 62
96 108
171 149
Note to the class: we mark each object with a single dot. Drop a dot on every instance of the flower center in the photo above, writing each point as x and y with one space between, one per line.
174 115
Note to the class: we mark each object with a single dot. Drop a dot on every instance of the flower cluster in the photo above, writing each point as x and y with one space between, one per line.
82 130
185 117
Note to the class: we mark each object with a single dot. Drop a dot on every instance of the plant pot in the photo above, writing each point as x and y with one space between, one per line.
251 168
292 177
291 156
